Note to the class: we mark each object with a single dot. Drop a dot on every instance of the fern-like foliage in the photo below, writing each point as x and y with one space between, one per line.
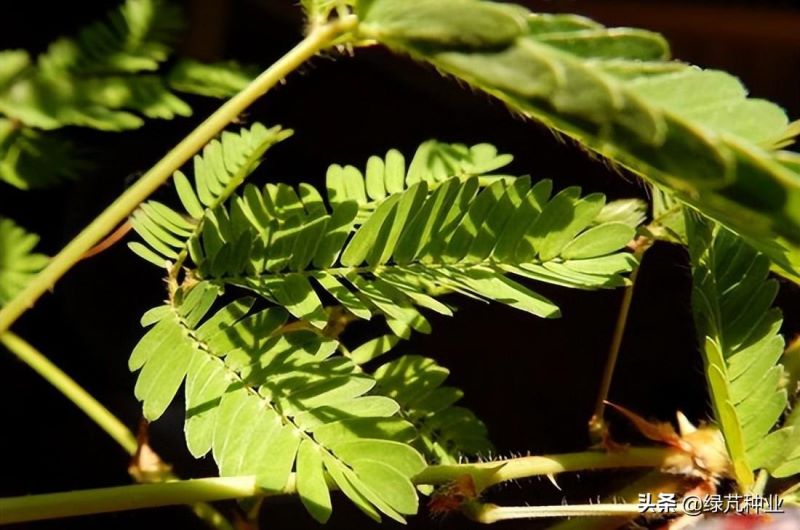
739 336
414 243
457 237
32 159
615 90
95 79
105 78
18 262
446 433
265 401
216 80
221 169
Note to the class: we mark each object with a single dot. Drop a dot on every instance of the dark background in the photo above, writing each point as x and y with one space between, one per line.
532 381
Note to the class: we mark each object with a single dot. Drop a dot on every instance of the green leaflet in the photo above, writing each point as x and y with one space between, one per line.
446 432
433 163
18 263
741 344
692 131
478 24
266 402
216 80
218 172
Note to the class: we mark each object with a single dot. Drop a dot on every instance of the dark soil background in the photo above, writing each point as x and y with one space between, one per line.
532 381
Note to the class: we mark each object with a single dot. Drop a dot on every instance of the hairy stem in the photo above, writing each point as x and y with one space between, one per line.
320 38
103 500
491 513
597 425
97 412
487 474
652 482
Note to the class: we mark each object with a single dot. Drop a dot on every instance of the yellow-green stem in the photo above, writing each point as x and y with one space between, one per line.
98 413
119 498
487 474
653 482
71 390
103 500
320 38
491 513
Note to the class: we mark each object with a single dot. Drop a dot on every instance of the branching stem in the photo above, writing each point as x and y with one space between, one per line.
487 474
320 38
103 500
97 412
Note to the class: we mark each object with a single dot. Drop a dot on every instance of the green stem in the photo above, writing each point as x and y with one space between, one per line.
317 40
103 500
487 474
97 412
72 390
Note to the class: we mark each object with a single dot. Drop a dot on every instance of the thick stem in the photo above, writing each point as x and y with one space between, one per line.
103 500
71 390
487 474
317 40
97 412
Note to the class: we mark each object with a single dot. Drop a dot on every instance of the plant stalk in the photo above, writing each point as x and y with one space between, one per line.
97 412
71 390
103 500
491 513
487 474
118 498
320 38
652 482
597 425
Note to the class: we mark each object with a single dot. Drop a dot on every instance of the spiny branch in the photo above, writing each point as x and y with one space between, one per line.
104 500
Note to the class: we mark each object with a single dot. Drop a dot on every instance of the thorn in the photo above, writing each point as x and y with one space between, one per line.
552 479
684 425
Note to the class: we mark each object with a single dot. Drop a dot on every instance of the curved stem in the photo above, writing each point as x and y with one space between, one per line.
71 390
103 500
98 413
317 40
115 237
